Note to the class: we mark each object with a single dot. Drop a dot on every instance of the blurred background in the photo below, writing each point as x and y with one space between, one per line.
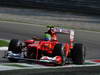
85 6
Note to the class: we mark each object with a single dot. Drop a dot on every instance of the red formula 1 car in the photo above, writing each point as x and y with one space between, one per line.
48 51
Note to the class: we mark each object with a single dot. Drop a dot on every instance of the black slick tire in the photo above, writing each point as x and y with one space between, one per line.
78 54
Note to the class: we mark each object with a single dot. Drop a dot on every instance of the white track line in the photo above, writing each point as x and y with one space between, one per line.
3 48
3 68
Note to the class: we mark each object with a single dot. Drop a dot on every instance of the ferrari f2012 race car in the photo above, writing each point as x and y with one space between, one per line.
48 50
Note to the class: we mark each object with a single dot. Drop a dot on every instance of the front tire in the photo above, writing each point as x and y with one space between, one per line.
78 53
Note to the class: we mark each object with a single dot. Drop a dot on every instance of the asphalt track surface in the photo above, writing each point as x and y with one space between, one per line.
23 31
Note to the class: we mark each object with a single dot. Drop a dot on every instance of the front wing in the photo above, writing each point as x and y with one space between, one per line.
43 59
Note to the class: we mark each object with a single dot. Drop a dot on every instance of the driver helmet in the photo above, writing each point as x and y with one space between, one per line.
51 31
47 37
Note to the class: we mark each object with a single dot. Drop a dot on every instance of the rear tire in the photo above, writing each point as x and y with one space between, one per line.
59 51
78 53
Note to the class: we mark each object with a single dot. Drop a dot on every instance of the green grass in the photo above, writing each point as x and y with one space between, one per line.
3 43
